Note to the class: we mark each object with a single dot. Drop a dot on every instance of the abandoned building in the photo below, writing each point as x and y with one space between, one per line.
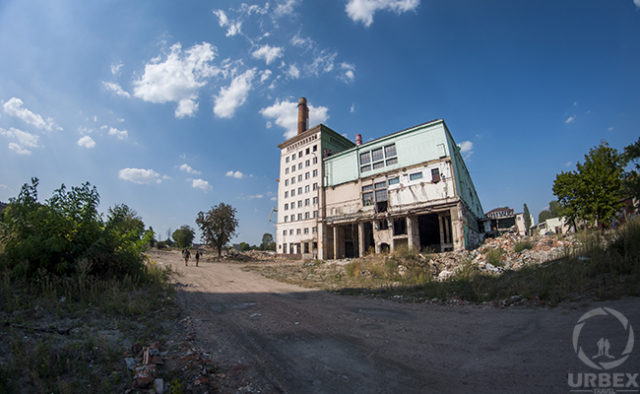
407 189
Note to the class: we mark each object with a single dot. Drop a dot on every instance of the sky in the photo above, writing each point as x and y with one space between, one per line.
173 107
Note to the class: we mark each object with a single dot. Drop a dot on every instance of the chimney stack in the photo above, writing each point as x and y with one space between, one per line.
303 115
358 139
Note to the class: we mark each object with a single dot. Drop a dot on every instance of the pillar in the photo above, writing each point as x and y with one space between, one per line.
361 239
412 233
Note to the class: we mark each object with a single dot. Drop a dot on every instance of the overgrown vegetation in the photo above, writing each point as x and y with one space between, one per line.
523 245
603 266
75 291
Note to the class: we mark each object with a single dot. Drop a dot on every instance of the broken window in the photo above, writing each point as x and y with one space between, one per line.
367 199
399 226
435 175
383 224
381 196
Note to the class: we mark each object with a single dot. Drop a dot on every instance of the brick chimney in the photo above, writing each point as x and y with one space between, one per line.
358 139
303 115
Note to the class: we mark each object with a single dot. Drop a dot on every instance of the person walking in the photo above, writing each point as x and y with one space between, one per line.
186 255
197 257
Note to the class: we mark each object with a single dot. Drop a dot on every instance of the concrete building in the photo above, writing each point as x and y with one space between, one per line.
521 228
410 188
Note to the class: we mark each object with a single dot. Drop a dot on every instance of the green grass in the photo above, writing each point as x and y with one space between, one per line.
522 245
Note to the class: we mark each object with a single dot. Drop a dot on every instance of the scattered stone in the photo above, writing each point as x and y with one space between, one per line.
158 385
130 362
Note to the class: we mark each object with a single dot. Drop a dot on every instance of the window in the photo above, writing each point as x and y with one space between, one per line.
284 233
299 203
306 202
286 194
367 199
381 195
306 151
390 151
298 231
286 206
293 180
378 158
315 214
306 189
293 156
293 218
293 192
399 226
383 224
306 230
299 166
314 229
307 163
299 216
315 148
380 185
300 178
435 175
290 231
286 182
286 218
315 160
315 186
367 188
300 190
286 159
315 172
378 165
315 201
376 154
415 175
306 215
293 168
393 181
306 175
392 161
365 159
286 170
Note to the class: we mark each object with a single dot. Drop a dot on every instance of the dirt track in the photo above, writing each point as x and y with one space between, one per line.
269 336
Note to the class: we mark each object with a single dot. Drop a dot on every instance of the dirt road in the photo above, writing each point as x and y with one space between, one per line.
269 336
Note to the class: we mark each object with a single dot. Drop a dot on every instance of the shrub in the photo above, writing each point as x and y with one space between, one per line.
494 257
522 245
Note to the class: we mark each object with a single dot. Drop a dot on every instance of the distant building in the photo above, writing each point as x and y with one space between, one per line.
520 226
339 199
501 220
558 225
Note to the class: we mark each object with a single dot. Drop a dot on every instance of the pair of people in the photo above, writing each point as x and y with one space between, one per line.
186 254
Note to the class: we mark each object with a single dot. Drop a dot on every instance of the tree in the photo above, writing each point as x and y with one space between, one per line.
218 225
267 242
554 211
593 192
631 179
527 219
184 236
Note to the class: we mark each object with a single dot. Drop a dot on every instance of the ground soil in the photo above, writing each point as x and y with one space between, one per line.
268 336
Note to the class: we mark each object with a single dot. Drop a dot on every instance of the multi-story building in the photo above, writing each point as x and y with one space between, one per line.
407 189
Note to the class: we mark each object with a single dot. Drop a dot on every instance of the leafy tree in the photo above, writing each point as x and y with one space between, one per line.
593 192
218 225
267 242
631 179
527 219
554 211
242 246
184 236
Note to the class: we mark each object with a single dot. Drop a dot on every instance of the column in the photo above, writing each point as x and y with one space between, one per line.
411 233
335 242
361 239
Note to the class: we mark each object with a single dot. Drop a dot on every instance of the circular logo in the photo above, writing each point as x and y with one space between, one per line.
603 359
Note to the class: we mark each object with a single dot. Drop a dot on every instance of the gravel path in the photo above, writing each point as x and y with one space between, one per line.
269 336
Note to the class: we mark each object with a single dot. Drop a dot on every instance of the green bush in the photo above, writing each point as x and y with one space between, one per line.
55 236
522 245
494 257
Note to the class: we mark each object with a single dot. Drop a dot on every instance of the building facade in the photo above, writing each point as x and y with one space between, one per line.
408 189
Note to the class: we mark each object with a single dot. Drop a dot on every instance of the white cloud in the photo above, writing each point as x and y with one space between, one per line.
86 142
139 175
293 72
637 3
268 53
233 96
323 62
264 75
568 164
353 108
302 42
285 115
23 140
233 27
201 184
256 196
611 128
115 68
120 134
188 169
15 107
116 88
466 148
348 72
363 10
285 7
273 199
234 174
19 149
178 78
570 119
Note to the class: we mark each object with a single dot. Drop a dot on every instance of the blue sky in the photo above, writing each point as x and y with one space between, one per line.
173 107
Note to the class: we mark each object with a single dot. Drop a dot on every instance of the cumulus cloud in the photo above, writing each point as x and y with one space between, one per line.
201 184
234 174
178 78
268 53
466 148
570 119
86 142
140 176
120 134
285 114
363 10
115 88
22 140
188 169
233 96
347 72
293 72
233 27
15 107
